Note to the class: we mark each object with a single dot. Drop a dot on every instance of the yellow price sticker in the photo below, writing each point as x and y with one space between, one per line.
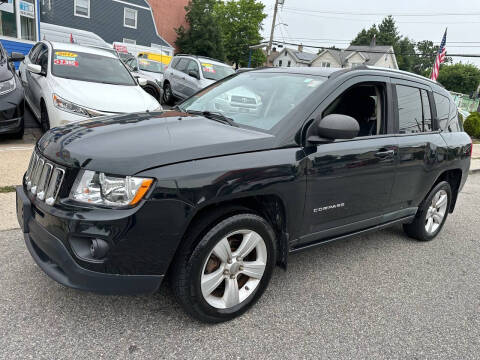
66 54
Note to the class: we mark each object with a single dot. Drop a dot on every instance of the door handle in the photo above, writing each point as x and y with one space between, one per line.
385 154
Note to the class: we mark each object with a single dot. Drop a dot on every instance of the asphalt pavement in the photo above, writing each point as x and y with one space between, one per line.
376 296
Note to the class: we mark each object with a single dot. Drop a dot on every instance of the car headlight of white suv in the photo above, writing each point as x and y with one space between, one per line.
8 86
70 107
98 188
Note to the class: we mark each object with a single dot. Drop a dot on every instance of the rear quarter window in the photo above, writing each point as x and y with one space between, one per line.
442 104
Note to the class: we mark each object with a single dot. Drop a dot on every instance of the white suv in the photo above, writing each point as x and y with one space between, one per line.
65 83
188 74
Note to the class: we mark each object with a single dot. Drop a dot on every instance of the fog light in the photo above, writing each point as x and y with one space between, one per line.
98 248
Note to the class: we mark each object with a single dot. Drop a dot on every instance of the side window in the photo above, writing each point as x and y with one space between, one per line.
174 63
427 113
34 52
42 58
365 103
454 124
443 109
182 65
410 113
192 65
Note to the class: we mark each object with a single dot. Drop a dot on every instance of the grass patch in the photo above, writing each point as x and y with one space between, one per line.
7 189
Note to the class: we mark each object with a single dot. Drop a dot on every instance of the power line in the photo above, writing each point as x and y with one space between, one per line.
360 13
380 52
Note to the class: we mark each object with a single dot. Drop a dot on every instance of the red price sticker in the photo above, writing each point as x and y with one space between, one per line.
66 62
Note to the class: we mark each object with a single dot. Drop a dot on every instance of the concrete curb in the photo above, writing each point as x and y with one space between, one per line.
474 171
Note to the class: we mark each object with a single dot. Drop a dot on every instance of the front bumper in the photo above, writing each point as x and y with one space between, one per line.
12 108
56 260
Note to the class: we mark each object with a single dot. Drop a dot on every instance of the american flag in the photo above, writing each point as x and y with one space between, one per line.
440 59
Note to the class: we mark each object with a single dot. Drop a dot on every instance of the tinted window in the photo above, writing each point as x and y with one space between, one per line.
90 67
454 124
42 58
410 114
175 62
427 113
150 65
443 108
182 65
34 52
192 65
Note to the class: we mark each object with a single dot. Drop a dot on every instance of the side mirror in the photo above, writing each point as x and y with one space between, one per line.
35 69
16 56
135 68
142 81
332 127
194 74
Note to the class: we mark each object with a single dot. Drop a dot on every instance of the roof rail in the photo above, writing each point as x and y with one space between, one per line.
367 67
197 56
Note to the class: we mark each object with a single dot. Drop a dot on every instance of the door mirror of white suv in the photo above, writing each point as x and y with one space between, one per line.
35 69
142 81
194 74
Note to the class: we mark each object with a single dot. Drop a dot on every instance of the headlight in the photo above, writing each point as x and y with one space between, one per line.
8 86
100 189
70 107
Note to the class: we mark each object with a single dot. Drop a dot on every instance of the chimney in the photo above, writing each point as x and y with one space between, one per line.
300 48
373 43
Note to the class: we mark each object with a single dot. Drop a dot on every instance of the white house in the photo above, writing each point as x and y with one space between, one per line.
294 58
373 55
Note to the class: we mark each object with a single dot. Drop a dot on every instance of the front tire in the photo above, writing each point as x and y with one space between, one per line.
44 119
432 213
228 270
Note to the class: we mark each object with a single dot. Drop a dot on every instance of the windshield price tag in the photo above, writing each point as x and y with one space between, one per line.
65 58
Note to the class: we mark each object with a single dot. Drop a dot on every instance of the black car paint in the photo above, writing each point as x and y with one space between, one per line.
199 164
12 104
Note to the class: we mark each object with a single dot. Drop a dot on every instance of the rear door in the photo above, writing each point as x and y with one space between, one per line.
178 77
421 148
349 182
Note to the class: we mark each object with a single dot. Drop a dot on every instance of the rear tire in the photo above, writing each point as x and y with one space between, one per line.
151 91
432 214
168 94
228 269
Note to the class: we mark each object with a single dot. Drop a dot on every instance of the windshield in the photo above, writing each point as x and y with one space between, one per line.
150 65
90 67
255 99
215 72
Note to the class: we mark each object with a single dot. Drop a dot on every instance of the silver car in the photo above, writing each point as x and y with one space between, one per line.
188 74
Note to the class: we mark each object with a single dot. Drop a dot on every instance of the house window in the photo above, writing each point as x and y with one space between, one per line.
354 65
82 8
279 62
129 41
130 18
289 63
326 64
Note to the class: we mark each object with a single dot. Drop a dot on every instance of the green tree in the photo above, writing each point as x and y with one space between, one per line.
365 36
387 32
241 24
462 78
203 37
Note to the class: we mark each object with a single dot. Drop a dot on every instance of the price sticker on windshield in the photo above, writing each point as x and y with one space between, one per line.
208 68
65 58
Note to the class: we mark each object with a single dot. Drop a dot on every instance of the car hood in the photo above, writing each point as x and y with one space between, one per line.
128 144
105 97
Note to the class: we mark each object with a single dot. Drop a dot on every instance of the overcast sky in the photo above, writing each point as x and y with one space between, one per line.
327 23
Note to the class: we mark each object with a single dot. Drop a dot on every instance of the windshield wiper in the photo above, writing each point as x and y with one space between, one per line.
215 116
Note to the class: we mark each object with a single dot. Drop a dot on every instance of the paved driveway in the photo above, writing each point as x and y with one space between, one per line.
380 295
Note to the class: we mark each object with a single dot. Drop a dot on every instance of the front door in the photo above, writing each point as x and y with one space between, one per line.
349 182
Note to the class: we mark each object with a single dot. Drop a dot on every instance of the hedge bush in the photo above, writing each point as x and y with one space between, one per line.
472 125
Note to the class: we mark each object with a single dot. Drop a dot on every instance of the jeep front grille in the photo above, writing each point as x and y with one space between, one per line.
44 179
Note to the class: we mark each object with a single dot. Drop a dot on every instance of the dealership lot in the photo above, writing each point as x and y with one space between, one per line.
380 295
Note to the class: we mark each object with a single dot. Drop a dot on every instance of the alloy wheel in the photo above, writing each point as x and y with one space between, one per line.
436 212
233 269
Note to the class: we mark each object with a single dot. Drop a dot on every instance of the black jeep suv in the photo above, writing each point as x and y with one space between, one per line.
214 195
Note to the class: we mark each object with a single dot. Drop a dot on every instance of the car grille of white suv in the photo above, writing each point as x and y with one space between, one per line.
44 179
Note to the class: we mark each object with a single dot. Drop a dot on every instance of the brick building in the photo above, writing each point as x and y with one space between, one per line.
169 15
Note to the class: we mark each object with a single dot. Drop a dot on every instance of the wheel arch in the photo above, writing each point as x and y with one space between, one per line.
454 178
270 207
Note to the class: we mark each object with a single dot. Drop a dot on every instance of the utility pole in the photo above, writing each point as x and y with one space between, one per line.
269 48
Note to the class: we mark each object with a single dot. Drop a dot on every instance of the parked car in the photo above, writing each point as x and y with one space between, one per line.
65 83
12 103
188 74
214 201
150 70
